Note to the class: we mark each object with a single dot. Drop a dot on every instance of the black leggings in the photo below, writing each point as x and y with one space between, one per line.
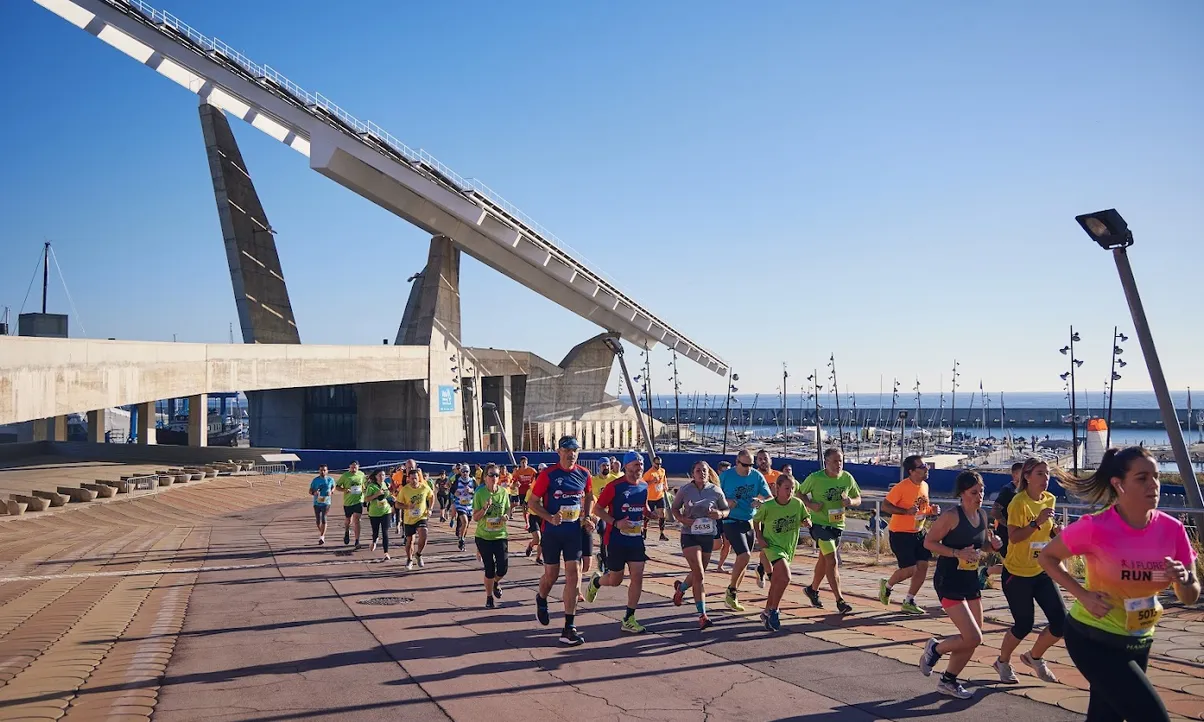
1116 675
495 555
380 527
1021 592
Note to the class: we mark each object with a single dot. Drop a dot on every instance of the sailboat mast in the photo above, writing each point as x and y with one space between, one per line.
45 272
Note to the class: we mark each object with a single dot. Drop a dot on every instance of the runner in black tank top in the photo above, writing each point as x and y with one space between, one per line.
956 540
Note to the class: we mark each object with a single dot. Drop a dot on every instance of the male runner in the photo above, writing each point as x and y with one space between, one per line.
827 493
655 479
351 483
608 470
443 494
907 503
762 463
777 523
415 499
745 489
319 489
562 497
623 507
764 563
999 514
725 547
521 480
462 493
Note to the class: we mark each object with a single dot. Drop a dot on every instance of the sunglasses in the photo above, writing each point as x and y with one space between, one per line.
493 473
742 463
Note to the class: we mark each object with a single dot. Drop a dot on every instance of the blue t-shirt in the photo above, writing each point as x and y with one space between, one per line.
462 493
323 485
624 500
562 492
740 492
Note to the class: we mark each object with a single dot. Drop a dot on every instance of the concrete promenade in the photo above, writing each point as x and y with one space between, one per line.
211 601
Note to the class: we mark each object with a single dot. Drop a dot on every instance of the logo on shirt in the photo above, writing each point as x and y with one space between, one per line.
783 524
1140 571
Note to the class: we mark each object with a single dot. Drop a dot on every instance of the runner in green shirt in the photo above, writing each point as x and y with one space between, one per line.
827 494
490 510
376 495
776 524
351 483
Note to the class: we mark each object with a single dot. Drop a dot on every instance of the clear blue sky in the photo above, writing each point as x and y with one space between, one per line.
894 183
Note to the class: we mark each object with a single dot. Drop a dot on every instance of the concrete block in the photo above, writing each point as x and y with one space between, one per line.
15 508
33 503
50 496
165 480
77 495
103 491
118 487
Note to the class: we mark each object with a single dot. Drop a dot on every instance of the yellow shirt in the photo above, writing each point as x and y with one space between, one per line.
655 478
600 482
416 501
1021 559
478 475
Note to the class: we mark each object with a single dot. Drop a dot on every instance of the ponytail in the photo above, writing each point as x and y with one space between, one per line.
1098 488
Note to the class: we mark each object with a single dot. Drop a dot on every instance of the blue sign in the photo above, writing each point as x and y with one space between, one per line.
447 398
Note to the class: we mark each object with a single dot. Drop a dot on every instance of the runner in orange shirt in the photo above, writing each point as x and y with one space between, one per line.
907 504
762 462
655 479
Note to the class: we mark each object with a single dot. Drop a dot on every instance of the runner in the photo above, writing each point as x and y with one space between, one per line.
764 565
698 507
319 489
777 525
562 497
534 523
599 483
415 499
828 493
624 508
762 462
907 503
376 496
657 486
442 494
745 489
462 493
490 509
999 514
1133 552
397 479
478 474
957 538
725 547
351 483
1031 524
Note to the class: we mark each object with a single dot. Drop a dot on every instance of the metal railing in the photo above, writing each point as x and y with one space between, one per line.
143 482
163 19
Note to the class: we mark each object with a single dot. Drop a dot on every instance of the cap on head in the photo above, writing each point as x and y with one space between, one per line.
568 442
631 456
604 460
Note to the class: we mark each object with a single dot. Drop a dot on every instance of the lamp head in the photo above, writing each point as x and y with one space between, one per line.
1118 350
1122 337
1065 376
489 406
1115 376
1106 228
1078 362
613 344
1075 337
1064 350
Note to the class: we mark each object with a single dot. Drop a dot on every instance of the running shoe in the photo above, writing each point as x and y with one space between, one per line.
373 547
321 541
528 553
953 689
663 537
346 537
760 577
1039 667
489 602
984 578
929 657
775 620
421 564
387 557
911 607
732 603
631 626
883 592
497 589
541 611
704 621
409 564
843 607
1006 674
591 589
570 637
358 545
765 622
679 592
460 544
813 597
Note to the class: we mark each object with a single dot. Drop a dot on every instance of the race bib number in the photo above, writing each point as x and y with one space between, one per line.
966 566
494 523
836 516
570 513
322 500
1036 547
636 529
920 517
703 527
1142 614
354 489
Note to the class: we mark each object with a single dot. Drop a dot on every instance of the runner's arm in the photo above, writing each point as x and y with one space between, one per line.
944 524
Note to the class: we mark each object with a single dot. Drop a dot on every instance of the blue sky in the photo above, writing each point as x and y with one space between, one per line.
894 183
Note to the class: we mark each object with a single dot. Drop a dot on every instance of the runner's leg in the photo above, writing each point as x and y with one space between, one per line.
967 617
778 582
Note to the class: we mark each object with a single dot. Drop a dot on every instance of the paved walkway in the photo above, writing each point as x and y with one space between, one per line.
212 602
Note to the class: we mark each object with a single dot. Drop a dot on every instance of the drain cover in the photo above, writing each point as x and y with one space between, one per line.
385 601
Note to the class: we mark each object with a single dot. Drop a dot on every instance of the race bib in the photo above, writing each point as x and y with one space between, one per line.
836 516
703 526
322 500
1142 614
1036 547
966 566
636 529
494 523
570 513
354 489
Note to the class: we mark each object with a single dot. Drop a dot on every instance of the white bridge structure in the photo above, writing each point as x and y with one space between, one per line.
368 160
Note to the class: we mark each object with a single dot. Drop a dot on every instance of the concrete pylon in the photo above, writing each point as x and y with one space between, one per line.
260 293
433 307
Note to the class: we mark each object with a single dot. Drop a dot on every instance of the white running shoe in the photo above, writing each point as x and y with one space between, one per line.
409 564
929 657
953 689
1006 674
421 564
1039 667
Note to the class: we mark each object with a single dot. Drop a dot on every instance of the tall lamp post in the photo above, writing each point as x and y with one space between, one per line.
491 408
616 346
836 391
1110 231
1068 350
1117 339
676 400
813 393
953 405
727 413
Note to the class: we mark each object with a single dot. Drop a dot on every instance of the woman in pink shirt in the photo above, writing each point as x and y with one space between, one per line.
1133 552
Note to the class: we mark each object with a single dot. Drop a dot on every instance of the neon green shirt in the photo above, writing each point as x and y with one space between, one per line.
780 525
497 506
379 506
827 492
352 486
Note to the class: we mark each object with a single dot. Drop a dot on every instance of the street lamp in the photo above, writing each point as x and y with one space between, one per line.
616 347
727 412
1117 339
491 408
1068 350
1110 231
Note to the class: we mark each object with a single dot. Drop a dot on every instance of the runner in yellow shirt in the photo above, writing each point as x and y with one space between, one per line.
657 486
